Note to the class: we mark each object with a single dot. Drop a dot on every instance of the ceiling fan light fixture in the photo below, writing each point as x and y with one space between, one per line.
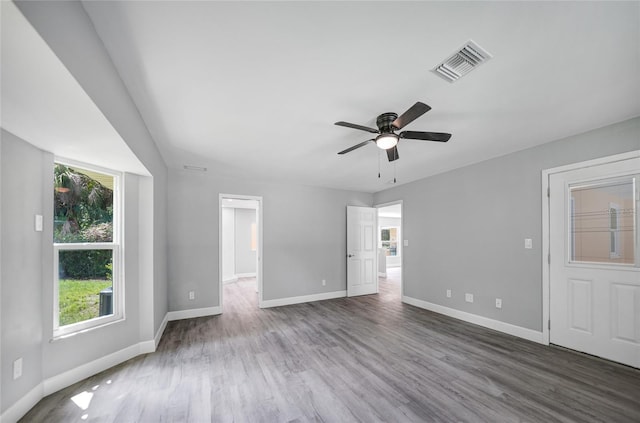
386 141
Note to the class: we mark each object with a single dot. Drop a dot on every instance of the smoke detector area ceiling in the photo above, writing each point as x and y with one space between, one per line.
463 61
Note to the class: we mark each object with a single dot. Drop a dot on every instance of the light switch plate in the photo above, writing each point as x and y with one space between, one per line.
528 243
38 223
405 242
17 368
468 298
498 303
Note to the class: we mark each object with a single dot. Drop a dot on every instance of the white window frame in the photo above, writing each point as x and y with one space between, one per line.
117 275
396 241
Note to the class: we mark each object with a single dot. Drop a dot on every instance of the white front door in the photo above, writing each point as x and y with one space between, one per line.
594 260
362 257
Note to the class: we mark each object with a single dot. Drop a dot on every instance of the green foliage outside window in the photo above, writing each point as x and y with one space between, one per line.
83 212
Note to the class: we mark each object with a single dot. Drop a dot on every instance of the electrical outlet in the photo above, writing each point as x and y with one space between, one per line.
192 295
448 293
498 302
324 282
17 368
468 298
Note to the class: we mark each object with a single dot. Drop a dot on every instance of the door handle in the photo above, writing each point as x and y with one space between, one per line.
350 255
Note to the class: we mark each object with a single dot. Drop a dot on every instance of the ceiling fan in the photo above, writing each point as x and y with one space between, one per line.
388 123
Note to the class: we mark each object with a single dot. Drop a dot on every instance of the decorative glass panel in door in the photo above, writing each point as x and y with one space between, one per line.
602 216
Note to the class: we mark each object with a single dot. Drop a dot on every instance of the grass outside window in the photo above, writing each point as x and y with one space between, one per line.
79 299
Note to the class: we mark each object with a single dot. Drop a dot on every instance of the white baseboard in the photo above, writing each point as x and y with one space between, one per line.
302 299
195 312
508 328
163 325
55 383
68 378
23 405
232 279
246 275
382 275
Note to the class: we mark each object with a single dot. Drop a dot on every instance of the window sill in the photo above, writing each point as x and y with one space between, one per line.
71 332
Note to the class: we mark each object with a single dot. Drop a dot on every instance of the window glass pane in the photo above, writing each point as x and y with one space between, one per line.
602 222
84 285
389 241
83 205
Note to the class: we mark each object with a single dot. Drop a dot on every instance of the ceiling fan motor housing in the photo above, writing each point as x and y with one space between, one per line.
384 122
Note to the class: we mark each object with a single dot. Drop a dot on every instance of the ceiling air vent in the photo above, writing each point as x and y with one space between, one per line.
463 61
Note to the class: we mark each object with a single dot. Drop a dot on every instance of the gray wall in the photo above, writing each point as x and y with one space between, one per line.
26 311
2 370
466 228
63 354
27 276
245 258
303 243
22 169
69 32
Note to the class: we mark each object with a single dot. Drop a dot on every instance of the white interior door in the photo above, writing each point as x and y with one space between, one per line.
362 258
594 266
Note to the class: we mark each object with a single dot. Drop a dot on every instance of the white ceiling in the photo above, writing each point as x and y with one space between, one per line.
44 104
252 89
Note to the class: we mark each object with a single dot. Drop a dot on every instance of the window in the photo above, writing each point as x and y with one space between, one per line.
88 283
614 230
389 241
602 216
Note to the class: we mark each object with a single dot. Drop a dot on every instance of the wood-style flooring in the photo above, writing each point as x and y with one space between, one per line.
363 359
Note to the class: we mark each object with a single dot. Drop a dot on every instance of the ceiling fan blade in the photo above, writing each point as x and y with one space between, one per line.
362 144
410 115
360 127
392 153
425 136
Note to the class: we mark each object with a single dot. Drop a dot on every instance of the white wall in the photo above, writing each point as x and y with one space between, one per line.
228 244
304 240
245 258
466 228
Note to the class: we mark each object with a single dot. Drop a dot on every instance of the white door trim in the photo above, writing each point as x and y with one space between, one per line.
402 234
221 197
546 173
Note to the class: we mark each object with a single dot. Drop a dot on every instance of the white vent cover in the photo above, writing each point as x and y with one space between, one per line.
463 61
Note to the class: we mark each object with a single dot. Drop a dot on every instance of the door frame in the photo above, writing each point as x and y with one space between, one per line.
546 235
221 198
393 203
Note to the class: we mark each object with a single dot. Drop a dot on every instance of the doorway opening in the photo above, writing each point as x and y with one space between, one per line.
240 251
390 250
